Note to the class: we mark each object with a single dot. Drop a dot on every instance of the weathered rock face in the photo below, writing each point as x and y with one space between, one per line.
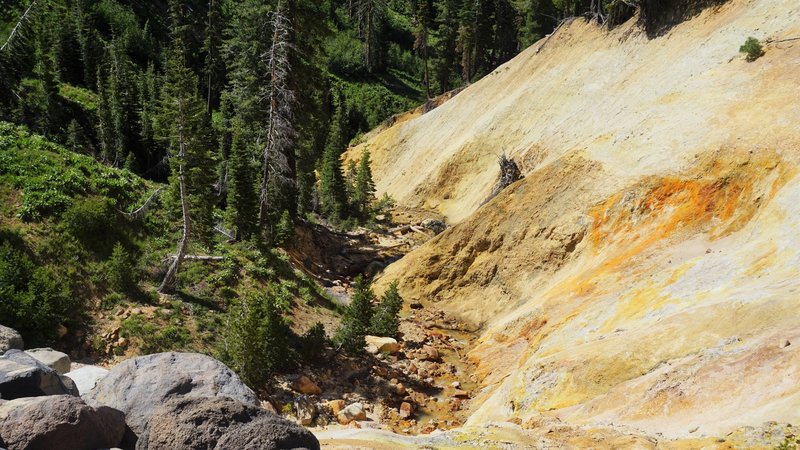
21 375
306 385
10 339
220 423
140 385
305 409
645 271
86 377
351 413
55 360
59 422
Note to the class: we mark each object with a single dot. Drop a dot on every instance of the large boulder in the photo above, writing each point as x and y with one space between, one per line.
86 377
58 421
10 339
21 375
55 360
378 344
140 385
220 423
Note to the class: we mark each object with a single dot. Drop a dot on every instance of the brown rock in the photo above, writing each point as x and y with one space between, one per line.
304 385
352 413
336 406
460 393
429 353
406 410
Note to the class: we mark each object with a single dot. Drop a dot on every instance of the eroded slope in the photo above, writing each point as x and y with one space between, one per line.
644 274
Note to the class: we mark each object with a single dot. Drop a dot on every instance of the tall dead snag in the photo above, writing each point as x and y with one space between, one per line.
509 173
279 131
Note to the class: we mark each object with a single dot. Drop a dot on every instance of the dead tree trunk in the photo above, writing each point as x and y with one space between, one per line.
509 173
279 130
171 278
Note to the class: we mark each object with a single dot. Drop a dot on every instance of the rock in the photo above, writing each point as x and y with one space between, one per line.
336 406
351 413
429 353
377 344
305 385
55 360
10 339
415 305
266 404
455 384
59 421
22 375
406 410
380 371
305 410
222 423
140 385
400 389
459 393
87 377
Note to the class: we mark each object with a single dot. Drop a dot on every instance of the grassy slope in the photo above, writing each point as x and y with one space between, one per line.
64 211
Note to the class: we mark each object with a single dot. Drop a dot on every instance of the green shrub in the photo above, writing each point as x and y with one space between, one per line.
357 317
257 342
154 338
386 320
34 300
752 47
120 269
284 231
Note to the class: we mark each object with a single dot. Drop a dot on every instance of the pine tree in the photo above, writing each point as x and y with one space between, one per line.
386 321
214 66
357 317
276 167
242 198
447 65
369 16
257 344
423 25
364 187
332 192
183 125
505 32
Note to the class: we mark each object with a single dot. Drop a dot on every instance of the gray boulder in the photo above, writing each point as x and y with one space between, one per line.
55 360
138 386
86 377
58 421
10 339
21 375
220 423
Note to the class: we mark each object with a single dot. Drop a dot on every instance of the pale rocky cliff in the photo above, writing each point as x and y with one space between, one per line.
645 274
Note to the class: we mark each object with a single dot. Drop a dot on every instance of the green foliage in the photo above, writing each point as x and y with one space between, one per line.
364 189
257 343
752 47
386 321
154 338
120 269
242 197
357 317
91 220
332 194
284 230
50 177
34 300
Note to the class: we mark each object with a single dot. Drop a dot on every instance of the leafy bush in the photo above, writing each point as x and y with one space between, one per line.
386 321
154 338
752 47
357 317
34 300
90 219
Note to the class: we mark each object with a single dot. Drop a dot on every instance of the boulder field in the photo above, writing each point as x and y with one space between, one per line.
160 401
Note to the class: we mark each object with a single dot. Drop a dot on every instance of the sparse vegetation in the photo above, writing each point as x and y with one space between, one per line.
752 48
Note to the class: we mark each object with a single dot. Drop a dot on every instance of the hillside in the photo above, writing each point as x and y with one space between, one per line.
643 274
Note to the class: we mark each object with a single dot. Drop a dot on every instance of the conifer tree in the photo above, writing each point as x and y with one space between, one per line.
257 345
332 192
280 101
424 21
183 125
447 64
364 187
357 318
242 198
369 16
386 321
